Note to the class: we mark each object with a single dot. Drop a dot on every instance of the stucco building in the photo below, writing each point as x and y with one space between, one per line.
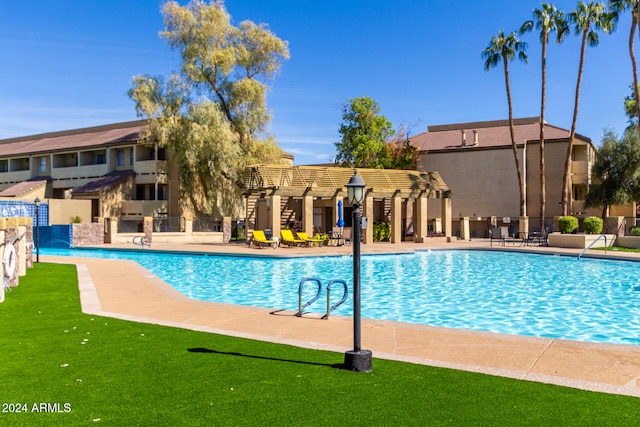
477 163
106 165
103 164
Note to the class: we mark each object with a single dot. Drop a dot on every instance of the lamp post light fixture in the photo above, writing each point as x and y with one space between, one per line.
357 359
36 202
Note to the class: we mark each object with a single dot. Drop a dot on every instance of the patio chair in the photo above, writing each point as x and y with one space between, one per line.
259 239
495 233
336 237
544 241
347 235
310 240
289 240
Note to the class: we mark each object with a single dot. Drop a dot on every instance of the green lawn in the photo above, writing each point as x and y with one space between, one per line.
111 372
616 249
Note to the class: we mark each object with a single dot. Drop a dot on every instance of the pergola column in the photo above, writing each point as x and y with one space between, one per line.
274 214
446 215
307 214
420 219
367 235
396 219
465 233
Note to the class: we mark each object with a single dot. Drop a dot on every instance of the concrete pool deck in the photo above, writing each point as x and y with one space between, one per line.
125 290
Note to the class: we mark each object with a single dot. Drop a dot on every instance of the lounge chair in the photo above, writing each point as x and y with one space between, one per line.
259 239
289 240
310 240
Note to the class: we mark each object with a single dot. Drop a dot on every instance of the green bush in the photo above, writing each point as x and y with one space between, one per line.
568 224
75 219
635 231
593 225
381 231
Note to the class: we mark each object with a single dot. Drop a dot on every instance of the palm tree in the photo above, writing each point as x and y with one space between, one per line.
618 7
588 19
547 19
505 48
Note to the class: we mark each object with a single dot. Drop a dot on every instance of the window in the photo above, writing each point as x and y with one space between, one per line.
99 159
120 158
140 192
131 157
43 164
162 192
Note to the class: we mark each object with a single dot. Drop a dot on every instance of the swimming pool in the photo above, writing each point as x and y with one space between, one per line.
513 293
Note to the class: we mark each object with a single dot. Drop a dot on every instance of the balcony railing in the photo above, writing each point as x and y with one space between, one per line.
15 176
580 172
151 166
88 171
132 209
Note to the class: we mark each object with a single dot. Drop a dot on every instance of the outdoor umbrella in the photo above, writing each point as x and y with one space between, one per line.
340 222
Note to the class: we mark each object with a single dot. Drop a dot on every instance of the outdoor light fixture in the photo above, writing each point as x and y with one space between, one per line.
36 202
355 190
357 359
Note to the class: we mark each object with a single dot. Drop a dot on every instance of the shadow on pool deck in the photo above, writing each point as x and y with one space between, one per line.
125 290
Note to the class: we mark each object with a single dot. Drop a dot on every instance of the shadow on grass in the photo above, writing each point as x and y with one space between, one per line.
233 353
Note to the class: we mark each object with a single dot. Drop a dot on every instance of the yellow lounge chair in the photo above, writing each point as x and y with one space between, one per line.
259 239
289 240
310 240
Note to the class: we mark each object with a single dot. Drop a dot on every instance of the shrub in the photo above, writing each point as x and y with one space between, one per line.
381 231
635 231
75 219
593 225
568 224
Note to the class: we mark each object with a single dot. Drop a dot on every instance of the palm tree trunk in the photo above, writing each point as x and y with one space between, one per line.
572 133
543 194
513 136
632 55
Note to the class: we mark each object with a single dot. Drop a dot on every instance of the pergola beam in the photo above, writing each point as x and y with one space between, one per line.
309 183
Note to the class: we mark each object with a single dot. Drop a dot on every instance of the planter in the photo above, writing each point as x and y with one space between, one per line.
628 242
579 241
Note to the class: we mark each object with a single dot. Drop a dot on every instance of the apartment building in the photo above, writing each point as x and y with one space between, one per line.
103 164
476 161
106 165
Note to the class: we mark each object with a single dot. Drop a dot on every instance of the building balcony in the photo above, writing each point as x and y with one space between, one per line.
138 209
14 177
76 172
157 167
151 179
581 172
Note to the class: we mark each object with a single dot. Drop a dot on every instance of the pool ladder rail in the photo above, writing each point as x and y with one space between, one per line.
592 243
141 241
313 299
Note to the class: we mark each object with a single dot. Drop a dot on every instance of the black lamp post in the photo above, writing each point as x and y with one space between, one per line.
37 203
357 359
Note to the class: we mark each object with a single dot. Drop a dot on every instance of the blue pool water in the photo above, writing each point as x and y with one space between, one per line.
513 293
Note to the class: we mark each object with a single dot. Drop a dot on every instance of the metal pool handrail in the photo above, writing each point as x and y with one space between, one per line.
592 243
312 300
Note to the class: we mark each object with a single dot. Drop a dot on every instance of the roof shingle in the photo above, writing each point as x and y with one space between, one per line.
104 182
24 187
72 139
490 134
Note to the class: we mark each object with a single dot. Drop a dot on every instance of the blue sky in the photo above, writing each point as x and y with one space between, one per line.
67 64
